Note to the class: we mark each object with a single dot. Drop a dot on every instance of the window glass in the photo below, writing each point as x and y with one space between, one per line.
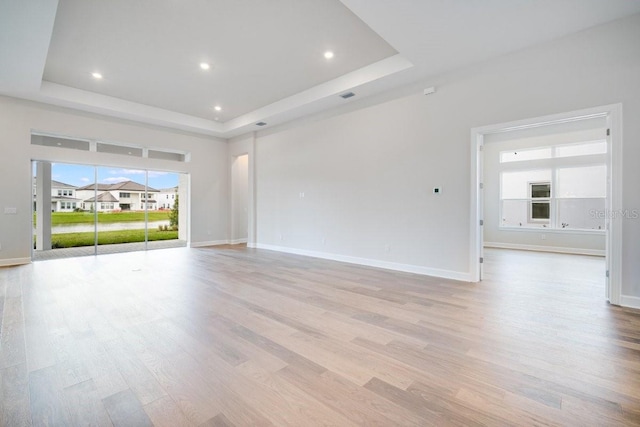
582 182
526 154
540 190
540 211
586 214
516 185
582 149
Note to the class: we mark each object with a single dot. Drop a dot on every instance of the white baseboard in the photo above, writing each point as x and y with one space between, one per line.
539 248
14 261
217 243
208 243
630 301
407 268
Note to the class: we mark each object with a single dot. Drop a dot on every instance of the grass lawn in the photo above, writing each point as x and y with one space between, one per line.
58 218
74 240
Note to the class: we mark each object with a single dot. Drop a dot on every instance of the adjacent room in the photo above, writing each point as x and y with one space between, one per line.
306 213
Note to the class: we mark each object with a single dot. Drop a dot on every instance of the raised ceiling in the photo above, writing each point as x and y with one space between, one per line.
266 57
260 52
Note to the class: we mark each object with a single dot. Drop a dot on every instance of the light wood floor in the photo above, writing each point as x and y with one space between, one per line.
222 337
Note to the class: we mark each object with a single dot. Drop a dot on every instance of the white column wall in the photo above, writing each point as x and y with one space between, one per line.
43 206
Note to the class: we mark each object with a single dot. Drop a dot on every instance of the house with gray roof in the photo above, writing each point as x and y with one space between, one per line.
121 196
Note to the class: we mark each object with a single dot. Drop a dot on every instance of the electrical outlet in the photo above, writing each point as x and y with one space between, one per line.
10 211
543 236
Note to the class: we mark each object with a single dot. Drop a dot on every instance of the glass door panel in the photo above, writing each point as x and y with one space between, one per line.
65 225
164 213
121 210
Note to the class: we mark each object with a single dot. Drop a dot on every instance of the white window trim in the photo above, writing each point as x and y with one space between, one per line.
546 200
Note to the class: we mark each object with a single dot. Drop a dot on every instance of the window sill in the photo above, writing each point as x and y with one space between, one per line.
553 230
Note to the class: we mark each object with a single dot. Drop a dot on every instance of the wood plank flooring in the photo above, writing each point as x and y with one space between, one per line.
240 337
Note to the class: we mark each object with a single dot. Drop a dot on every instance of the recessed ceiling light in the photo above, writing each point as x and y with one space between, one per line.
328 54
217 108
96 75
204 66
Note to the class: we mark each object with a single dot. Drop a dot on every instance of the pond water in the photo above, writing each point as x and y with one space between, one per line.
110 226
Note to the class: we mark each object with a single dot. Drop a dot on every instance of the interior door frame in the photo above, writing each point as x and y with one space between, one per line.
613 203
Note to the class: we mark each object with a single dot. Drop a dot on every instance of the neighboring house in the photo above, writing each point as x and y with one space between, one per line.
125 196
167 197
106 202
63 197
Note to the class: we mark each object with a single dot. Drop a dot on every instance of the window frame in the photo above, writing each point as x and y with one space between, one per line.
539 200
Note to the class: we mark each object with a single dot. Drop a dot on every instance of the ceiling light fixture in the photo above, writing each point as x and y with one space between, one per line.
328 54
204 66
96 75
217 108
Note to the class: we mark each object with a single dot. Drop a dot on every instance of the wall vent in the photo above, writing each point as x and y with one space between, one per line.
347 95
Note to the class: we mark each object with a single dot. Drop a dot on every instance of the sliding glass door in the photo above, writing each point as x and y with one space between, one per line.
87 210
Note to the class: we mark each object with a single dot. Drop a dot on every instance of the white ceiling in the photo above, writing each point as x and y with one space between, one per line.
266 56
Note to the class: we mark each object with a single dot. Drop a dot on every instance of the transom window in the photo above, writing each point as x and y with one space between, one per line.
557 151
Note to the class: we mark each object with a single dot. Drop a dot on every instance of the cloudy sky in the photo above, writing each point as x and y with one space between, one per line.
83 175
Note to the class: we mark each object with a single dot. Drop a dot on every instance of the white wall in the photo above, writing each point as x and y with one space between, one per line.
573 241
367 175
240 199
208 166
241 146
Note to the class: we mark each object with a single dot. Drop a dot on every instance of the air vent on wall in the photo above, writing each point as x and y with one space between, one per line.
261 124
347 95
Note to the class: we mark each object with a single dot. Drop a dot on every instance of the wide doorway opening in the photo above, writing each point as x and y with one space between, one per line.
544 196
90 210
